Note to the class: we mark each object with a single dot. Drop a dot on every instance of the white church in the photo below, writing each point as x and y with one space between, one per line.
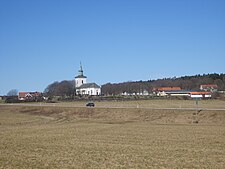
84 88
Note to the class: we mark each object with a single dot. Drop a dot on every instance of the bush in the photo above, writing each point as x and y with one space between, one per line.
11 100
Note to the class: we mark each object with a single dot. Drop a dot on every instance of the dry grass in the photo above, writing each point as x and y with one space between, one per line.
152 104
47 137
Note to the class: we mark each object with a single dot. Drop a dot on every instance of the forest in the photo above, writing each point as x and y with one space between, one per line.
66 88
185 82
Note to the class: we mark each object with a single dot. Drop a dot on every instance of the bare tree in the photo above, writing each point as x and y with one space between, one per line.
12 92
63 89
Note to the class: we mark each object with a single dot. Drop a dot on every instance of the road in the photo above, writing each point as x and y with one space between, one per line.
105 107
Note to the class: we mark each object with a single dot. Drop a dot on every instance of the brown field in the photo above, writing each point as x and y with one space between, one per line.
153 104
79 137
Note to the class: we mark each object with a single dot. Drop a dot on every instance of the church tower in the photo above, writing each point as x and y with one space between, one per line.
80 79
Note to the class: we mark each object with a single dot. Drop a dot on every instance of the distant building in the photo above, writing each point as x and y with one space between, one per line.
186 93
204 94
174 93
164 91
209 87
143 93
84 88
29 95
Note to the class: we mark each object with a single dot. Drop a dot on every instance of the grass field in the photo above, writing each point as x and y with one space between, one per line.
59 137
152 103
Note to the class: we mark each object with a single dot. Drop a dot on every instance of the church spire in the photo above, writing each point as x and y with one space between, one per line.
80 79
81 70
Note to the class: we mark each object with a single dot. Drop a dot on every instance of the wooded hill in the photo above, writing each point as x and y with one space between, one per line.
185 82
67 89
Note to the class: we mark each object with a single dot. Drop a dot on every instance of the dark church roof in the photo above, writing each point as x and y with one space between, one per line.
89 85
80 76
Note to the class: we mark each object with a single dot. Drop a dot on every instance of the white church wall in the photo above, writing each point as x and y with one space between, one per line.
91 91
80 81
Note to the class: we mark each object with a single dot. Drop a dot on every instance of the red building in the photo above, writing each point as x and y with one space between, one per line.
29 95
209 87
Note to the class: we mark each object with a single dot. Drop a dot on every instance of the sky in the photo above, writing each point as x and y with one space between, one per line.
43 41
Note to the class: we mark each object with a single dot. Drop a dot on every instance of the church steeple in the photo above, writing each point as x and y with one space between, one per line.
80 79
81 70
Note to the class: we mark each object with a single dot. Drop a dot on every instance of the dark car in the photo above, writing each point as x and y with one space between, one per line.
90 104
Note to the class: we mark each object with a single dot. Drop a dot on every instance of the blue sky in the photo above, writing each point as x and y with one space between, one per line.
42 41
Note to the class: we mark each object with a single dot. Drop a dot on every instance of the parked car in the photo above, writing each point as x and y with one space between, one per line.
90 104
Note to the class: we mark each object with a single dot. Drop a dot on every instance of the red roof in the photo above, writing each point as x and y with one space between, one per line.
25 94
200 93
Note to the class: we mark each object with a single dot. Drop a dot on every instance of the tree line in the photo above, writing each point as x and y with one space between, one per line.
185 82
66 88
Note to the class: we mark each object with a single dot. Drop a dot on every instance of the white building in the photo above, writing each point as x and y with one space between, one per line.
84 88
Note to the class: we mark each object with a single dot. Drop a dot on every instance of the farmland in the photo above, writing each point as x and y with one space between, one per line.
62 136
